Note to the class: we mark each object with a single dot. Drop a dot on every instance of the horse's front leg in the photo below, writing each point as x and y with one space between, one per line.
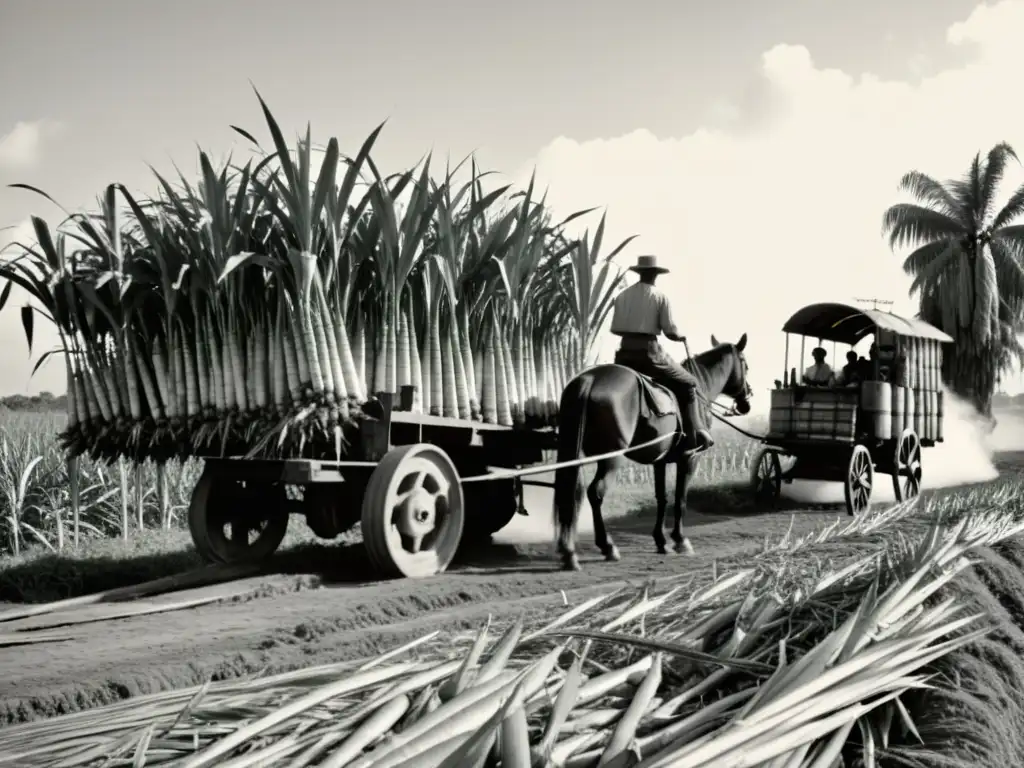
684 473
661 499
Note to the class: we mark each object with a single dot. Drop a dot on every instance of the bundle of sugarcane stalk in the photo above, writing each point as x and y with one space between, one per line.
257 309
729 675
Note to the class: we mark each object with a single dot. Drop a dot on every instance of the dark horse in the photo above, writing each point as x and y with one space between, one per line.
602 411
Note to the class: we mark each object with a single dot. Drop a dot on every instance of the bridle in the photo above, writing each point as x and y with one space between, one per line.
743 397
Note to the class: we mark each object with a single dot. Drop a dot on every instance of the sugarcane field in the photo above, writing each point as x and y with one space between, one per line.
690 442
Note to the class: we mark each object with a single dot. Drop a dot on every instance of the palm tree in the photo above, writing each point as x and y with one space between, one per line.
968 269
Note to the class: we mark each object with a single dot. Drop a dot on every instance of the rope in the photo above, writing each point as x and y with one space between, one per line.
514 473
725 420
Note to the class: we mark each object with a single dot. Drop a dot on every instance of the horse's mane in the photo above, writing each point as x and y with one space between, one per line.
708 359
703 364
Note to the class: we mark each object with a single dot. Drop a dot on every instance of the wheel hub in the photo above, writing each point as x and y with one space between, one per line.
416 514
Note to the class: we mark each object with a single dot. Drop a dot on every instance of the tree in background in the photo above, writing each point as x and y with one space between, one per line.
968 270
43 402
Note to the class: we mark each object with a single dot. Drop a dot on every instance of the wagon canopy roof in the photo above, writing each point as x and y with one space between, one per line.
848 325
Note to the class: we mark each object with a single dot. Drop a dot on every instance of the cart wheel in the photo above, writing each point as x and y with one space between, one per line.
906 472
766 478
234 521
490 506
860 478
413 512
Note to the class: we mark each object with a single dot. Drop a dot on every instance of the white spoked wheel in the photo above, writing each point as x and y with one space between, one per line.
860 479
766 478
906 466
413 512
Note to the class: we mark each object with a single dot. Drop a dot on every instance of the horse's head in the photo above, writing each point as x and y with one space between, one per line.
736 386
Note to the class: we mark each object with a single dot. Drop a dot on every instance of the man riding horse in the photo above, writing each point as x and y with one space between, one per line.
642 313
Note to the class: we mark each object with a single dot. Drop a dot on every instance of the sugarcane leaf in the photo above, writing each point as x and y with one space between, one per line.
180 279
242 260
245 135
38 191
104 278
325 181
6 294
620 246
92 298
355 166
43 359
279 144
28 323
572 217
690 654
45 241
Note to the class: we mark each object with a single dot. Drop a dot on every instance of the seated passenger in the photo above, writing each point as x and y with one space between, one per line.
867 367
849 375
819 374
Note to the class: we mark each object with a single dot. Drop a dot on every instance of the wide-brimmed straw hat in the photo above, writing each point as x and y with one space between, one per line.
648 264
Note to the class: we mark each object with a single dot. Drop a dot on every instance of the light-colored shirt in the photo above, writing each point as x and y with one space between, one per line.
642 308
818 374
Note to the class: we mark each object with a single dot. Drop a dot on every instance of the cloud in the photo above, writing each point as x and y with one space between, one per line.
758 222
22 145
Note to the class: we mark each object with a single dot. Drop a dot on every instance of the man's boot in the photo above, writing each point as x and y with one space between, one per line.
701 437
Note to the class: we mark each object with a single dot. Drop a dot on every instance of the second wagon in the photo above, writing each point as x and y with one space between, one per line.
875 419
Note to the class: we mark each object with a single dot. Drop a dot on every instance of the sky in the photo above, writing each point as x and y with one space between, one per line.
752 146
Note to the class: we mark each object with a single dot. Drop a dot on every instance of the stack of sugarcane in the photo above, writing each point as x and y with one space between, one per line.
732 674
257 309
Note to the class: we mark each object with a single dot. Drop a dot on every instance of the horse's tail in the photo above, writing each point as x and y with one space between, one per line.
572 427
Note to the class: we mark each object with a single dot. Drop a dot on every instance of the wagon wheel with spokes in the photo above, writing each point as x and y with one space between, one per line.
906 466
860 479
236 521
413 512
766 478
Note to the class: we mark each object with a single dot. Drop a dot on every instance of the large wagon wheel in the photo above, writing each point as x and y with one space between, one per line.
233 521
766 478
860 479
413 512
906 466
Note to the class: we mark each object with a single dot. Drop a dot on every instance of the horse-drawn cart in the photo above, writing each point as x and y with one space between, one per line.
846 432
407 492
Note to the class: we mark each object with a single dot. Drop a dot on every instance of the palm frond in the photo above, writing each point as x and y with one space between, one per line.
924 257
912 224
995 169
1014 207
930 262
927 190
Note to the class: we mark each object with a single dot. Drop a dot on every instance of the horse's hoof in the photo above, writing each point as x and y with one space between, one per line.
612 554
571 563
662 550
684 547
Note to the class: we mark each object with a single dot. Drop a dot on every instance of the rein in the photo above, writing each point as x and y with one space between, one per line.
725 413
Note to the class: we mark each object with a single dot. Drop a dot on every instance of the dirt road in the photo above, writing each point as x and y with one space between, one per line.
316 610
